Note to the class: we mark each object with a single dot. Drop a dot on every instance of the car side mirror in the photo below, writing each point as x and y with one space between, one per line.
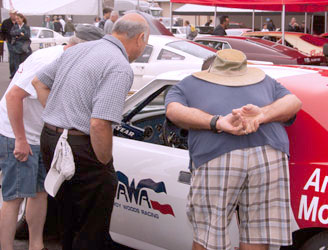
325 49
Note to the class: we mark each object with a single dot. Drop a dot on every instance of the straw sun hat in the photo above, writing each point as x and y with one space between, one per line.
229 68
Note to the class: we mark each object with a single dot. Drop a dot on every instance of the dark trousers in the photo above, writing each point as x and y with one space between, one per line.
18 59
86 201
11 60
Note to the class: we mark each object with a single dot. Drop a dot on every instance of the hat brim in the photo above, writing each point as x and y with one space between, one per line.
253 76
53 181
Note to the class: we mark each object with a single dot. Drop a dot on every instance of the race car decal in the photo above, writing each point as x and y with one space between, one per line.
139 194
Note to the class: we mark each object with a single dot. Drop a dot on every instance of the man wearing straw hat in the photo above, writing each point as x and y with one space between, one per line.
239 152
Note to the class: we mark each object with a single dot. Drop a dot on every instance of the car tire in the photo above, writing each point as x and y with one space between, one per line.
317 242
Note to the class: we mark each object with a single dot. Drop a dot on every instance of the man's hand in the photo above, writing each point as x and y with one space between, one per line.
232 124
22 150
252 115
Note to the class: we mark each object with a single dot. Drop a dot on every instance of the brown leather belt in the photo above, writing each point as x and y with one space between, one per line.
60 130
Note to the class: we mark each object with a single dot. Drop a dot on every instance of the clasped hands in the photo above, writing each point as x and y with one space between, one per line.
241 121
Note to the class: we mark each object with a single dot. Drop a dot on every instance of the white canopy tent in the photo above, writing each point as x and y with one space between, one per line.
51 7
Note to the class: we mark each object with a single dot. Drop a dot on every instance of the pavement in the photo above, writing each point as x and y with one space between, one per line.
23 244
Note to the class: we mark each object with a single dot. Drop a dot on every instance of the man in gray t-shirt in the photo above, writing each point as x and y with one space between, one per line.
239 152
84 91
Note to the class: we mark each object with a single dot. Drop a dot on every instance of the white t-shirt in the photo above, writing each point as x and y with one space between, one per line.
32 108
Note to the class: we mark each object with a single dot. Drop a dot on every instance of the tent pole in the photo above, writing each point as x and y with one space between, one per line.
312 21
305 22
171 16
283 16
100 8
253 21
215 16
325 21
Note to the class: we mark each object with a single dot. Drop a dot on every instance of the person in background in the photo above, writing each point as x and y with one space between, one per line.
293 25
96 22
69 27
220 29
21 40
302 29
270 24
62 22
20 129
110 22
265 28
57 25
6 27
47 23
106 12
208 23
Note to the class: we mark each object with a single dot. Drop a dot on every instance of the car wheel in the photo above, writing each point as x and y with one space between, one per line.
317 242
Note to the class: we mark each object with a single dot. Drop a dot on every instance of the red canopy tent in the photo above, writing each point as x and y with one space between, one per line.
273 5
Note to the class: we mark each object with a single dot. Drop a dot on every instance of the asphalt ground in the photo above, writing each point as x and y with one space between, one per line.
51 244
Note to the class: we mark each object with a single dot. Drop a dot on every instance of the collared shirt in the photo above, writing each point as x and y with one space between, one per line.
32 109
90 80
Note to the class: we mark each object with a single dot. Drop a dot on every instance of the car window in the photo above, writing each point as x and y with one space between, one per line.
144 58
191 48
34 33
218 45
169 55
46 34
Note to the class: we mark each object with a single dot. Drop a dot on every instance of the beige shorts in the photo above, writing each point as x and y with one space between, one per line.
257 180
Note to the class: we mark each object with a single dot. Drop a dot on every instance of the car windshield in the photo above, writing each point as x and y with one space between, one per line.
34 33
192 49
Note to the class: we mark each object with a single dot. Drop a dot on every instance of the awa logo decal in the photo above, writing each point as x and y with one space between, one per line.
138 195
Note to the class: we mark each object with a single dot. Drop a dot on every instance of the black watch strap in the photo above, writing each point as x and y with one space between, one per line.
213 123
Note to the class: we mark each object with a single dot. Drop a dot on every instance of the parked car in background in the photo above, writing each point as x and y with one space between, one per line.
309 44
178 31
167 53
237 32
44 38
261 50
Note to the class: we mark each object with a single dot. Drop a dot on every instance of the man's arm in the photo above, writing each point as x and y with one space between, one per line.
42 91
192 118
14 99
281 110
101 136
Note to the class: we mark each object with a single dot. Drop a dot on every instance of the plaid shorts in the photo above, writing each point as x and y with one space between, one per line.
257 180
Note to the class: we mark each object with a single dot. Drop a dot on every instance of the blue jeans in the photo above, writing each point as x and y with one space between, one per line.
20 179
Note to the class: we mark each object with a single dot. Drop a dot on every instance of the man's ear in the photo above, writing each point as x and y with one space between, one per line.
141 38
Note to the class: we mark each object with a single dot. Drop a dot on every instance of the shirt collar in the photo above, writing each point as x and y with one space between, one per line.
118 43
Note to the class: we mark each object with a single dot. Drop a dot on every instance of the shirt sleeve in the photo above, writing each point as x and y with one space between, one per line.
279 90
109 97
47 73
176 94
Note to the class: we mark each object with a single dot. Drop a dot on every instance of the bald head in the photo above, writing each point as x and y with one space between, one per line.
133 31
131 25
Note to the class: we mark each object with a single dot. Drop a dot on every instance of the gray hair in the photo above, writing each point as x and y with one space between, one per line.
114 13
130 28
75 40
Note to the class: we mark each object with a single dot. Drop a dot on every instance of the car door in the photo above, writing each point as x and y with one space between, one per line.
150 205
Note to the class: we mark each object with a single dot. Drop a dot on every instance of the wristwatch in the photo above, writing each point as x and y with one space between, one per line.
213 124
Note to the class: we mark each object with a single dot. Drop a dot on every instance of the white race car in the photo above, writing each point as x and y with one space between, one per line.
151 162
44 38
167 53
